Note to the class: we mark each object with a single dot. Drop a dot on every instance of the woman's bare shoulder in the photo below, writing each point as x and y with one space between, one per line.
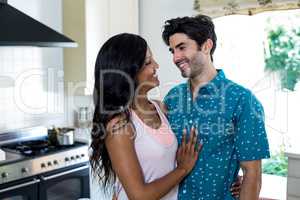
119 125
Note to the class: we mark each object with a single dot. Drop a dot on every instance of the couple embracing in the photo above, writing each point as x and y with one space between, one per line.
190 146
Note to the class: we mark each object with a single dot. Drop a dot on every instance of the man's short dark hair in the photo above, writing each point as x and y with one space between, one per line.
198 28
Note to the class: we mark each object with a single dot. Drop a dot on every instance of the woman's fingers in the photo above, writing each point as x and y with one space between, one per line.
194 142
179 151
199 146
191 143
189 149
197 149
236 188
235 193
183 141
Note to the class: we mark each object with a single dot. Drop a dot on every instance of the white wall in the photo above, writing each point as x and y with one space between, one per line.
153 14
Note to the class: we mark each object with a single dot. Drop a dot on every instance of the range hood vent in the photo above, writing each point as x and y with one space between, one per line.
19 29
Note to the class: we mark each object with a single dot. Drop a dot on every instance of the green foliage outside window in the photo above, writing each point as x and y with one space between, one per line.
283 55
276 165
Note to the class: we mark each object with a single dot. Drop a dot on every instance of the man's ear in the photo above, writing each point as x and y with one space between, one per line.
207 46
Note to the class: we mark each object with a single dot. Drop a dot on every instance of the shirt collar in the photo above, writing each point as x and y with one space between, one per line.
213 85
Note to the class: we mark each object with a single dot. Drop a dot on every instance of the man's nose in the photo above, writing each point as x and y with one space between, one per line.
176 57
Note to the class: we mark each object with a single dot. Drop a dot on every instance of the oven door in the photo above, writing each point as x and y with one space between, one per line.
69 184
20 190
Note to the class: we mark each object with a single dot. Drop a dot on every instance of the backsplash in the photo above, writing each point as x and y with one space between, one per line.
35 94
32 88
31 78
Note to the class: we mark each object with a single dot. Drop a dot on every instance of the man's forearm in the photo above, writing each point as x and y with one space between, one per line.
251 185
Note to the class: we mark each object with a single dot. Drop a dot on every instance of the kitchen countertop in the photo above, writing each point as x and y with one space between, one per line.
10 157
293 152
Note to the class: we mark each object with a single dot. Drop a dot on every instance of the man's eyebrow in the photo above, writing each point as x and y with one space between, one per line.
178 45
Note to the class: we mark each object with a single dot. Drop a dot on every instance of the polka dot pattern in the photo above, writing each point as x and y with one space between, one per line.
230 124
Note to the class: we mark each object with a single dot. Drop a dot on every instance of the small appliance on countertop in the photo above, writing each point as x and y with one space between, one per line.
61 136
83 123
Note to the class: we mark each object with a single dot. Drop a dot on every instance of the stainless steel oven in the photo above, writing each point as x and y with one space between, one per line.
20 190
35 170
70 184
67 184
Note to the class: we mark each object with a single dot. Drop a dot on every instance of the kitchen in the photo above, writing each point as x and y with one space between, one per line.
42 86
38 94
32 91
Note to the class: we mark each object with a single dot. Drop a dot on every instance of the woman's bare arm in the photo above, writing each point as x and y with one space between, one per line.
120 145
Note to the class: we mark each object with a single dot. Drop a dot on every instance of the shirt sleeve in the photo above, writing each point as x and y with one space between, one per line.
250 139
166 102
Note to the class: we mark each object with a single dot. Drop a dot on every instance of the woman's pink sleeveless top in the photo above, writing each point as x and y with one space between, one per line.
156 152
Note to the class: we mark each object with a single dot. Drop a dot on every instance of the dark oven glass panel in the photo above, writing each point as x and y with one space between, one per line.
69 184
67 190
20 190
16 198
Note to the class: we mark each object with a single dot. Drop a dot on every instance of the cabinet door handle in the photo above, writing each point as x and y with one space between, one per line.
35 181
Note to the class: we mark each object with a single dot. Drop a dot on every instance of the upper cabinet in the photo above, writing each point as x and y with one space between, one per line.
90 23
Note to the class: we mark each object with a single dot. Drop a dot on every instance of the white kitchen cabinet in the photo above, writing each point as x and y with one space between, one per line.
293 179
90 23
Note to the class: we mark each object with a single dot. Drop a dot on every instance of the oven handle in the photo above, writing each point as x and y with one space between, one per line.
46 178
35 181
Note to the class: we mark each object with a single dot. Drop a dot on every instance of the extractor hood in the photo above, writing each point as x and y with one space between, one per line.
19 29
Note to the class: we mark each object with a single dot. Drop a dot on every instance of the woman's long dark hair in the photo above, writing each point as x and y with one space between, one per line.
117 65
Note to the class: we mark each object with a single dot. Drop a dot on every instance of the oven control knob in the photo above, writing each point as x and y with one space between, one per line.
49 163
25 170
72 157
67 159
55 162
82 155
43 165
77 156
4 175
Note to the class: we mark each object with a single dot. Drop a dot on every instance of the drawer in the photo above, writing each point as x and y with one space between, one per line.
293 185
293 198
294 168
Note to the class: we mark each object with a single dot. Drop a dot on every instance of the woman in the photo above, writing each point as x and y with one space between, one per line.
133 146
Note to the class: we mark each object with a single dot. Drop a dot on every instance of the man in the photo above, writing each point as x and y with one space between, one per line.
228 117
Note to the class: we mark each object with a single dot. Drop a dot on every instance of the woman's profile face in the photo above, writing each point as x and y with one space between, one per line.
147 76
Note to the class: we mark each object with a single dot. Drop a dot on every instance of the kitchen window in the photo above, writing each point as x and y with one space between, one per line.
245 37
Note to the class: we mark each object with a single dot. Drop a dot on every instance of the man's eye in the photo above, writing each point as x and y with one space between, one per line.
181 48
